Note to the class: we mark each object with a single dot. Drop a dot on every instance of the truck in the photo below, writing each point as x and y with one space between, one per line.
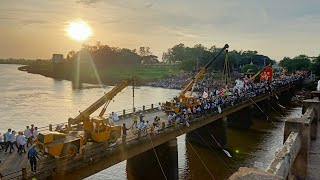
67 142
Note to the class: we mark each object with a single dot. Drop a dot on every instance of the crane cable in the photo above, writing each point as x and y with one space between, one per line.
268 118
157 157
197 155
229 168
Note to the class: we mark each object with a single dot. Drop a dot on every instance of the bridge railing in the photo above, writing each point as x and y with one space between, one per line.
291 160
122 114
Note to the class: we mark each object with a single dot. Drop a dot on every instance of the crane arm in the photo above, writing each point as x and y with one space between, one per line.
100 102
200 73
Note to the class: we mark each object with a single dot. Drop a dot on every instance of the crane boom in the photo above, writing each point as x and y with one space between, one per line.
200 73
100 102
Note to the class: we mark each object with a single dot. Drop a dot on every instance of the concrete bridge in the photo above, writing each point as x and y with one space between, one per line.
139 151
299 157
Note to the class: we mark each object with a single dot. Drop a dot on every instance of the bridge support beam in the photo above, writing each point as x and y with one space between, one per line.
307 128
315 104
146 165
213 134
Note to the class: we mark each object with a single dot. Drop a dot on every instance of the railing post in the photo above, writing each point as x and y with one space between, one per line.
151 106
124 112
143 107
24 173
50 127
163 125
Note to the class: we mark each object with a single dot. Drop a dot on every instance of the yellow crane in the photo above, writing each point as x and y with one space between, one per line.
96 129
189 101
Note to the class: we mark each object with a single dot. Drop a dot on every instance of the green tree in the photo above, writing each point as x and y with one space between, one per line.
315 66
250 68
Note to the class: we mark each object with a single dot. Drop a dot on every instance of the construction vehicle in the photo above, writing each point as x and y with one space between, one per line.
69 141
59 144
189 101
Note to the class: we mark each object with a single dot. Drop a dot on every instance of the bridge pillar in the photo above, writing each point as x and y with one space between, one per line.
307 128
315 104
213 134
146 165
242 118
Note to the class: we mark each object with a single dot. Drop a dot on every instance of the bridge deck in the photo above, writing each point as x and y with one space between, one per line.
102 156
12 164
314 158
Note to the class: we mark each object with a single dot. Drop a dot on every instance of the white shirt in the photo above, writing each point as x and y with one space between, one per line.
13 138
21 140
1 138
27 133
35 133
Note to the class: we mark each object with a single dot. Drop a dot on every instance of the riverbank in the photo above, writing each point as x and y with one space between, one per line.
108 76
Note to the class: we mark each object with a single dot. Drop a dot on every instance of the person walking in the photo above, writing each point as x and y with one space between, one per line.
28 135
32 157
2 143
8 141
124 132
35 133
135 120
14 140
21 142
141 117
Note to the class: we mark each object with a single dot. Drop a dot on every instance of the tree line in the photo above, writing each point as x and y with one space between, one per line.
188 58
301 62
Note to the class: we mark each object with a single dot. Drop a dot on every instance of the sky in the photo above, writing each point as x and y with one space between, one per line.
34 29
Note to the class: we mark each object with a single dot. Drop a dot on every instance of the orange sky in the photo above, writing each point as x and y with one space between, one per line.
35 28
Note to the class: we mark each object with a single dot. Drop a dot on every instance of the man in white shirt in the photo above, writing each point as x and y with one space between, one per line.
21 142
35 133
2 143
8 140
14 139
28 135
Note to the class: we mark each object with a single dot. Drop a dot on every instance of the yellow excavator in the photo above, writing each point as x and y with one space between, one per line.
68 142
182 98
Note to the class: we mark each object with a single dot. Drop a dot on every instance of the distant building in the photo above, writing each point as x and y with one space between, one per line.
57 58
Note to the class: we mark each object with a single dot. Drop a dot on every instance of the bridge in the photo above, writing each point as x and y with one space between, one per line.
136 148
298 158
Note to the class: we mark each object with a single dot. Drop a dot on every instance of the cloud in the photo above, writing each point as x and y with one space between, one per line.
88 2
30 22
148 5
185 35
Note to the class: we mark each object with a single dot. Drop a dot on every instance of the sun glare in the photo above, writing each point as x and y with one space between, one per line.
79 30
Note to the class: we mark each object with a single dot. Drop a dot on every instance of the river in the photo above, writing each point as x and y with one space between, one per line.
27 99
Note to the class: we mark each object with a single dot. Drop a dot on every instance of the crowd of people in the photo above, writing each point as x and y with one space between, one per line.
214 100
18 141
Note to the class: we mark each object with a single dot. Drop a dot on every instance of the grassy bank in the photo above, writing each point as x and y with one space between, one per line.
108 76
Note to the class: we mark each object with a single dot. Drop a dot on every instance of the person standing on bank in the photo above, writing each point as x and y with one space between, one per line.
33 156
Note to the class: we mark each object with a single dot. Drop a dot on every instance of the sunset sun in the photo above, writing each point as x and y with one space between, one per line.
78 30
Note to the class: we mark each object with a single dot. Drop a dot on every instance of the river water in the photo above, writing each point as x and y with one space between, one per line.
27 99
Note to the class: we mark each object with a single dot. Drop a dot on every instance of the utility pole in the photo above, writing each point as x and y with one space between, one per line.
197 64
133 83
